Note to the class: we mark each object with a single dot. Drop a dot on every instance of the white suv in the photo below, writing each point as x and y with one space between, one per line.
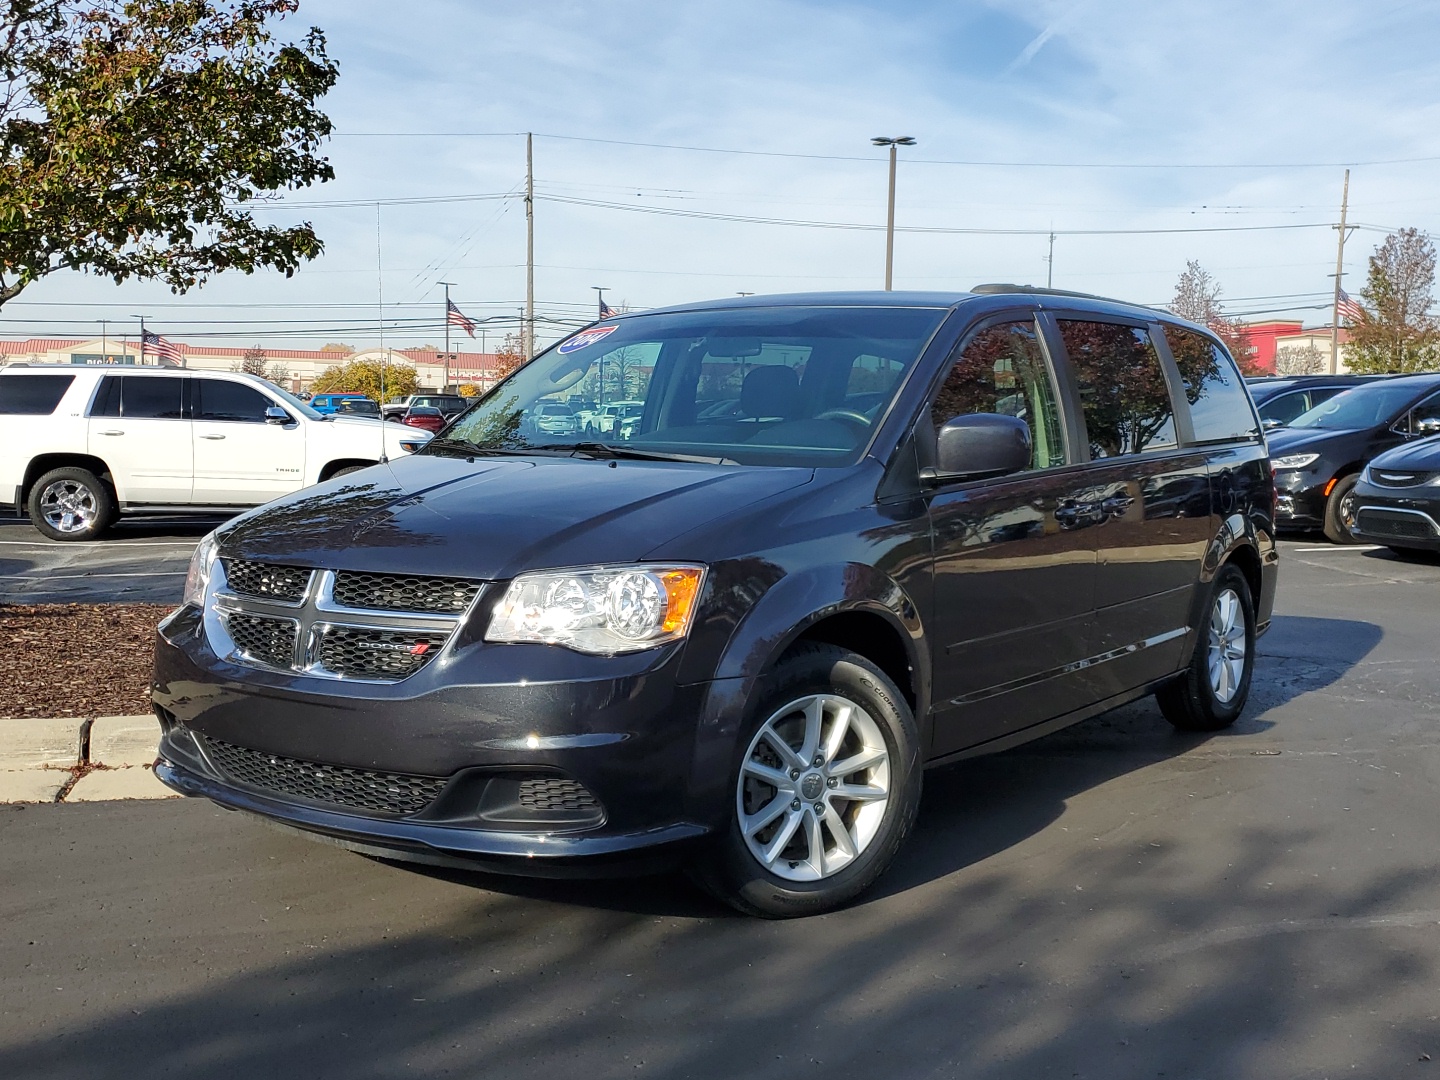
85 444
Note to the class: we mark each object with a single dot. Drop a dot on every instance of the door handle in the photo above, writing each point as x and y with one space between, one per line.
212 436
111 433
1116 505
1077 515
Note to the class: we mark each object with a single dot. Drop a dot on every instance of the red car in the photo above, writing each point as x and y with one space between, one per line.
424 416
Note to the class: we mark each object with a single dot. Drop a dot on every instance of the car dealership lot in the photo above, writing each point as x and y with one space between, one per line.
1115 901
137 562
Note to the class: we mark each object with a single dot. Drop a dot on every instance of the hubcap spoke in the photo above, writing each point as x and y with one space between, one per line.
813 788
772 810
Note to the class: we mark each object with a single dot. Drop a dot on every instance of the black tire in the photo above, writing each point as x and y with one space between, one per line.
1193 702
346 471
1340 511
836 678
71 504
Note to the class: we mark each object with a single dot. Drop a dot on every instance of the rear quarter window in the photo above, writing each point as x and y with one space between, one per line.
32 395
1219 404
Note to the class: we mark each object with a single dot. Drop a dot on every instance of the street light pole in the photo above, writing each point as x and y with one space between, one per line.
142 337
445 389
903 140
600 299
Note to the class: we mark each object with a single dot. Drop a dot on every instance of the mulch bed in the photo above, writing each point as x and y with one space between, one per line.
77 659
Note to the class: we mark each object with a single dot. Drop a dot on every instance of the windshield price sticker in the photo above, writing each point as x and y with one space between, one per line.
588 337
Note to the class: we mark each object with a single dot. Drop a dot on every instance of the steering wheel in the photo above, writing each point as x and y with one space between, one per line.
845 414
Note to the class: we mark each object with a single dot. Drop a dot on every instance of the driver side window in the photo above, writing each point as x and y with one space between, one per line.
1002 370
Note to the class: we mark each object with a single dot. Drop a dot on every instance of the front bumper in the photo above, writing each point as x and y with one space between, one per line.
1406 520
1299 501
610 744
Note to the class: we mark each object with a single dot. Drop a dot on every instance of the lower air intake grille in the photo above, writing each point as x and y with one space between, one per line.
269 581
398 592
269 641
553 793
377 654
1400 526
359 789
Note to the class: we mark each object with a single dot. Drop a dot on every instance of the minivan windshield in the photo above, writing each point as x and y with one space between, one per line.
1360 408
755 386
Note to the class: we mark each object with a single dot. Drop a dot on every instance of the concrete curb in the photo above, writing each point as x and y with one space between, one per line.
73 759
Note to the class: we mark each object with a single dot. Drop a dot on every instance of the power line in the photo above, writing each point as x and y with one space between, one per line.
972 162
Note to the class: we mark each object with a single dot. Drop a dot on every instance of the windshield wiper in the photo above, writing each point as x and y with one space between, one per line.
466 448
603 450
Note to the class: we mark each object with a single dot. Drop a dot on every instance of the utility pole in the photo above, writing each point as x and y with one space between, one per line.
1050 263
529 336
903 140
1339 271
104 341
142 337
445 389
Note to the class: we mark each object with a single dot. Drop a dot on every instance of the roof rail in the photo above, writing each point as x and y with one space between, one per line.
1002 287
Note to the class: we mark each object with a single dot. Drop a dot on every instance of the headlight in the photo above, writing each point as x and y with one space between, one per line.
197 578
605 610
1294 461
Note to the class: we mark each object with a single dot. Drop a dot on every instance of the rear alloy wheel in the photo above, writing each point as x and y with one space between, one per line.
1340 511
1216 684
71 504
825 791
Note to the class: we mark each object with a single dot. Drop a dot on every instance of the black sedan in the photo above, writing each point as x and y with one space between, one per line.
1397 501
1280 400
1317 458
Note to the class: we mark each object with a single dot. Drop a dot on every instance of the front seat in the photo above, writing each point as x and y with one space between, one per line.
770 392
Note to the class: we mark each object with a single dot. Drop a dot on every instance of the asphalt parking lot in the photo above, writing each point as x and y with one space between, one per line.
139 562
1116 901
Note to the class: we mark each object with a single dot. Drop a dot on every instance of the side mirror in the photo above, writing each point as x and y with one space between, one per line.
978 445
1429 426
276 415
1271 423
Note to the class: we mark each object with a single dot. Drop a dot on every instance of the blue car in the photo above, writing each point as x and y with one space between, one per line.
333 403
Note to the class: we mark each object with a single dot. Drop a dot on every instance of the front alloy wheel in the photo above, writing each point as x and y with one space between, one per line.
814 787
825 790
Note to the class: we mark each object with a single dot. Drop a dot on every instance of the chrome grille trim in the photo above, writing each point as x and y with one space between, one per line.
331 639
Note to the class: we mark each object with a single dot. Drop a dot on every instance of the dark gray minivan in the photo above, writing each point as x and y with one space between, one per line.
848 537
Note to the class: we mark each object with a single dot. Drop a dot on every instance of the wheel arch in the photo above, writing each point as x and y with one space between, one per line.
41 464
332 467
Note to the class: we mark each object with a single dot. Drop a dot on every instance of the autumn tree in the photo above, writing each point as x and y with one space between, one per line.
1398 333
1301 360
365 377
253 362
509 356
278 373
135 134
1197 298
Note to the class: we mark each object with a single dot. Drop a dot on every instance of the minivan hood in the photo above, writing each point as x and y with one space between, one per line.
1284 441
1420 456
496 517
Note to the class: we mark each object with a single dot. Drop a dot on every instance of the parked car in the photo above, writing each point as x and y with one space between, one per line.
1397 498
358 407
325 404
1319 455
1281 400
738 644
86 445
449 405
610 414
424 416
554 418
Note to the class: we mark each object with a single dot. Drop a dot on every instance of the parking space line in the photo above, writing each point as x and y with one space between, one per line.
98 545
87 577
1339 548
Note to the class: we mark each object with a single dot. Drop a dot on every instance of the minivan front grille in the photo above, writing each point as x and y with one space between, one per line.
1401 526
396 794
404 592
268 581
269 641
365 653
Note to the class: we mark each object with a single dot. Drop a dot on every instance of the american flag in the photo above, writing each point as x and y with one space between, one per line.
1349 309
455 317
606 310
165 351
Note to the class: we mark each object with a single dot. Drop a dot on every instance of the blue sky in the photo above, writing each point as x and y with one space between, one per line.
1030 115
